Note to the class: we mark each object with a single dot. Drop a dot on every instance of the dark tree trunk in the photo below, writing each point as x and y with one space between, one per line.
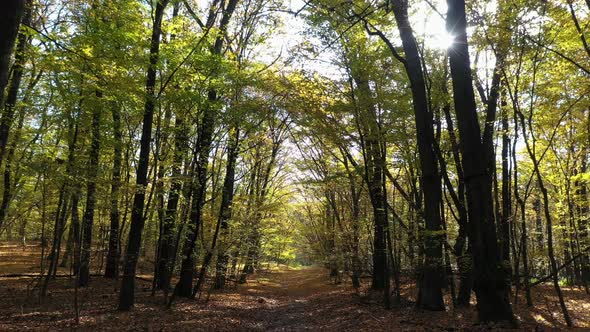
73 243
251 255
582 207
88 218
490 283
524 237
374 176
165 258
228 189
355 219
112 264
548 220
225 211
11 12
161 152
465 265
184 286
506 194
58 230
10 104
464 262
127 292
251 241
167 243
63 200
540 242
552 262
9 184
432 273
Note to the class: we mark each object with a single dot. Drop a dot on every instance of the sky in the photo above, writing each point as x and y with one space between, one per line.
428 26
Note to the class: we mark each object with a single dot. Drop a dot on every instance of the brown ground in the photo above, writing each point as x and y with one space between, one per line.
278 300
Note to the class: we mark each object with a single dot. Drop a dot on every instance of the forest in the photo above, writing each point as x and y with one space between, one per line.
288 165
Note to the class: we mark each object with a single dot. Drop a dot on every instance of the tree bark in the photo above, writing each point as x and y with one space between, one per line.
432 272
506 193
127 292
490 283
184 286
10 103
88 218
167 245
225 212
113 254
10 18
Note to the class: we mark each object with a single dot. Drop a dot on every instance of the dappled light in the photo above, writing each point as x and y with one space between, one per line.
289 165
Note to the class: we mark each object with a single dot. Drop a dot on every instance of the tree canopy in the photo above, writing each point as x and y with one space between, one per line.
441 143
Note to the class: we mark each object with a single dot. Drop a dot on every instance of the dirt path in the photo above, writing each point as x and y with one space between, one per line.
292 300
279 300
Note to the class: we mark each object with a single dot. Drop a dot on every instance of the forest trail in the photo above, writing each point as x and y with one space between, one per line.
291 300
283 299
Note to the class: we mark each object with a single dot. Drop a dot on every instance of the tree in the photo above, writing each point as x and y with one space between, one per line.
126 294
489 280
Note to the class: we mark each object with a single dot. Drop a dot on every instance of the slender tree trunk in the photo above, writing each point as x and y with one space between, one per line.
88 218
432 273
73 242
184 286
553 263
9 186
10 104
62 204
524 237
166 252
166 241
355 220
506 194
223 254
161 152
374 174
127 292
225 210
548 220
540 245
253 226
464 262
582 199
10 18
112 264
57 235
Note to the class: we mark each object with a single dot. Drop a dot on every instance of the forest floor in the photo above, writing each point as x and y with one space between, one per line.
273 300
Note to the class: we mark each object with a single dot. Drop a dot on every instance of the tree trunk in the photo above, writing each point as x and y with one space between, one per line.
112 264
127 292
374 176
506 194
548 220
88 218
432 271
10 104
10 18
490 283
62 205
73 243
464 262
582 207
184 286
225 211
524 237
166 251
